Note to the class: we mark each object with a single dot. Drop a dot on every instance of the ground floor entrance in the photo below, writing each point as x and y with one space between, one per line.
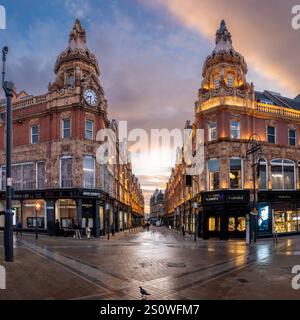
58 211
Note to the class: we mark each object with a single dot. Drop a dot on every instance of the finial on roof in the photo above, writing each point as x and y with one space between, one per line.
77 36
223 38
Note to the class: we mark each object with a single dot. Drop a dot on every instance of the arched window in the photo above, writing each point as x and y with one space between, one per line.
262 174
216 80
283 174
230 80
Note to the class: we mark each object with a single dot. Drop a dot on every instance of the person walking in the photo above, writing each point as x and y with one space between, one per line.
19 228
57 228
77 234
183 230
112 229
88 231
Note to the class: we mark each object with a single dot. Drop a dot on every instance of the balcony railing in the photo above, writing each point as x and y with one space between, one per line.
280 111
30 101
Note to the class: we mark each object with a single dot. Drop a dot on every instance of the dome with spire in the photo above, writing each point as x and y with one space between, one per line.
77 49
224 74
224 51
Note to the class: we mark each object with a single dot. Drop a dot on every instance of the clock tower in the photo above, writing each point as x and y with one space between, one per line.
77 75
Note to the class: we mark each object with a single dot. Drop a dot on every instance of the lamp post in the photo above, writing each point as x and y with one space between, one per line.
37 208
254 148
107 209
196 220
8 87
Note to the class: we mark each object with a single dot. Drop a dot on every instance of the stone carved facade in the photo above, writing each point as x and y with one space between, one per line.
228 103
76 70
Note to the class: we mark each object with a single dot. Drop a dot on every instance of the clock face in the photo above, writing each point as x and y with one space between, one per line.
90 96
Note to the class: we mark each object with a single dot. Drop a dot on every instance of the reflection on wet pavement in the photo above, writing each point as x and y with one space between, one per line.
168 265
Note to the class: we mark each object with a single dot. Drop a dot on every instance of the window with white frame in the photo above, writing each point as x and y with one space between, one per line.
271 134
262 174
292 137
88 172
213 174
66 128
283 174
212 131
89 129
35 134
66 172
41 175
235 174
235 129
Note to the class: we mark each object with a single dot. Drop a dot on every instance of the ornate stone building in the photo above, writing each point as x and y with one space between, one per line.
54 163
230 112
157 205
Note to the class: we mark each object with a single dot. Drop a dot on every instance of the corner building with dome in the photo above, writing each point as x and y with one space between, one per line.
236 119
54 153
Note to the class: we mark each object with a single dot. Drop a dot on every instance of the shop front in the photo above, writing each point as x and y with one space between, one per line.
279 212
57 206
224 214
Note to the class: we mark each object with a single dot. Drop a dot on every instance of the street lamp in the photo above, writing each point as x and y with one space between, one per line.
196 220
37 208
8 88
107 207
254 148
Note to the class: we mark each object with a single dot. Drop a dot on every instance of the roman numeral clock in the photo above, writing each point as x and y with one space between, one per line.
90 96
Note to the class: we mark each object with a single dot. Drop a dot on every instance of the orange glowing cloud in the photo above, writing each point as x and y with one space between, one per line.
261 31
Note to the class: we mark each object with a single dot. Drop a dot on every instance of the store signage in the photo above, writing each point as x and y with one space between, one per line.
213 197
91 194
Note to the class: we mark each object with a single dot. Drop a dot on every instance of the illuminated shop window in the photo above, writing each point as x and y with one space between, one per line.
65 212
213 174
283 174
235 174
214 224
286 221
241 224
231 224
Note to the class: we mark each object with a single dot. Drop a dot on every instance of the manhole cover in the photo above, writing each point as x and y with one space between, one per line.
176 265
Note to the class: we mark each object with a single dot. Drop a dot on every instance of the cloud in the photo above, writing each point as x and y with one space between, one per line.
261 31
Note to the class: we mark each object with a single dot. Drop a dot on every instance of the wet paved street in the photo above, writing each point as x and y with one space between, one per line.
164 263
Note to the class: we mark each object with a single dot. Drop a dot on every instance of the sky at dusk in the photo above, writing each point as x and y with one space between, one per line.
151 54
